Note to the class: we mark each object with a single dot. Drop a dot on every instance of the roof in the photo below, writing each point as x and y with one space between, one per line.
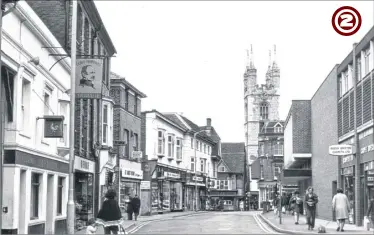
115 78
175 119
166 118
233 155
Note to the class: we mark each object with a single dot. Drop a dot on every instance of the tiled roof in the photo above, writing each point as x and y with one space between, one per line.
173 117
116 78
233 155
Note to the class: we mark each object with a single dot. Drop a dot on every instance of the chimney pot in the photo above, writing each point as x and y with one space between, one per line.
208 121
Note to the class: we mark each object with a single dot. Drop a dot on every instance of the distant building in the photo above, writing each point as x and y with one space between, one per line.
127 128
230 183
267 168
173 171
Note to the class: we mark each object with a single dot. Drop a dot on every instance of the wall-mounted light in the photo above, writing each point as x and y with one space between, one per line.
35 61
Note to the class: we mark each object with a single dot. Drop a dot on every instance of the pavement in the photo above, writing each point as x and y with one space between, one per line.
246 222
288 225
131 224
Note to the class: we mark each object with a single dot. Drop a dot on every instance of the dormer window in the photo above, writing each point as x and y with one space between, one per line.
278 128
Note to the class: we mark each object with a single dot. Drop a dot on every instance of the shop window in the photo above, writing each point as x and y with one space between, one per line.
83 199
60 190
171 146
105 124
35 195
179 149
161 142
192 164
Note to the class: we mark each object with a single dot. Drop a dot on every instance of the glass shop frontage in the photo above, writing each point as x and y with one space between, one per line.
84 191
167 188
190 196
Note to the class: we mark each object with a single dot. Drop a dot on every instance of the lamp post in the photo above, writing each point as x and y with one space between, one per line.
196 192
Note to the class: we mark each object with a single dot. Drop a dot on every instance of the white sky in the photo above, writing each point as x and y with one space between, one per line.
189 56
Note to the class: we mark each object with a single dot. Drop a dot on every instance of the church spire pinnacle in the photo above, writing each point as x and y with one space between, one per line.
275 57
269 58
250 63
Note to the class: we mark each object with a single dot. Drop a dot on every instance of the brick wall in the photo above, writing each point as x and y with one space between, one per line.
301 123
143 129
324 133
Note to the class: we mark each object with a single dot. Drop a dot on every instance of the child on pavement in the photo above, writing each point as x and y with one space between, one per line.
91 228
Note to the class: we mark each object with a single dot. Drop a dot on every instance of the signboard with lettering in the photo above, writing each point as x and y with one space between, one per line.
89 74
119 142
367 149
53 126
131 173
171 175
348 158
145 184
137 154
340 150
84 165
197 178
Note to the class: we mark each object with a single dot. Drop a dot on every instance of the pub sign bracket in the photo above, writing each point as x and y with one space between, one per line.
53 126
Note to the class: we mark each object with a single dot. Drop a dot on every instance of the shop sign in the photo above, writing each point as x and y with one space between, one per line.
197 178
340 150
370 178
369 165
85 165
348 171
131 173
145 184
172 175
367 149
348 158
371 172
89 73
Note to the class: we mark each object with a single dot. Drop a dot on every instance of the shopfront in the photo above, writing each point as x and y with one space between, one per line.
167 189
130 186
84 191
190 196
348 180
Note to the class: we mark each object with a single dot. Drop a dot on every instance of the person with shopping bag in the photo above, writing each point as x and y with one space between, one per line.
370 214
110 213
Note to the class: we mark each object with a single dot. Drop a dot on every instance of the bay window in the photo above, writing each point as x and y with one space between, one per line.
105 124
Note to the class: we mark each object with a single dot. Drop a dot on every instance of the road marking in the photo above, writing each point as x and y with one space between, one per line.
263 226
224 228
137 227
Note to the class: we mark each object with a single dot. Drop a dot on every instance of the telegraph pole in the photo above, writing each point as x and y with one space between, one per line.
71 204
1 122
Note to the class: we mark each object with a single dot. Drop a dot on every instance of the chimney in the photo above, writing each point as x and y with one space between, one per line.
209 122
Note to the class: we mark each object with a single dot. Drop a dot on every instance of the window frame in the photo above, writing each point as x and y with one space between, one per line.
171 145
35 196
264 111
161 142
135 142
60 195
105 125
25 106
126 138
179 149
192 164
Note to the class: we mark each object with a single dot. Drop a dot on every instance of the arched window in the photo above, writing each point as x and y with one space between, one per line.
264 111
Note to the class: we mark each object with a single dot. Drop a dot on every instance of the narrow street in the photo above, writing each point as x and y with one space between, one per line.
207 223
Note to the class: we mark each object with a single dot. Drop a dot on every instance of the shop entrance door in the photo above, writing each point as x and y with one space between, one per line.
334 189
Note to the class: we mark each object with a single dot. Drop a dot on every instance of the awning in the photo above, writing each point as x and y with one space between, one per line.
293 176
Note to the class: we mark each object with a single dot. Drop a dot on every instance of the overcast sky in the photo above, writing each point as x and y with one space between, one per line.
190 56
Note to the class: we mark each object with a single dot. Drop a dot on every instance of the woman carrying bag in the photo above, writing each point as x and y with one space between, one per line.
110 212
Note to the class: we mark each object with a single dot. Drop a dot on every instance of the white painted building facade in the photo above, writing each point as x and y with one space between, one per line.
35 168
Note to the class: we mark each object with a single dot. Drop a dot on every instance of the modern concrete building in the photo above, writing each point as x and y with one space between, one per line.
35 168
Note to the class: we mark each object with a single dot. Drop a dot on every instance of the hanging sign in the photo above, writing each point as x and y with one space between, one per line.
340 150
89 78
53 126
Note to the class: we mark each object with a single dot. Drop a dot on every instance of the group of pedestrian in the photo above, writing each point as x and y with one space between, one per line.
111 212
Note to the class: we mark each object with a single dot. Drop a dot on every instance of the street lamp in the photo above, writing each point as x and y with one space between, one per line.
195 144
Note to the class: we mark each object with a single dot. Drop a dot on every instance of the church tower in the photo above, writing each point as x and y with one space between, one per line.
261 101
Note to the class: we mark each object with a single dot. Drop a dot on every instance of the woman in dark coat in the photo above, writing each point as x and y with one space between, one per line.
135 202
110 211
129 209
310 201
370 211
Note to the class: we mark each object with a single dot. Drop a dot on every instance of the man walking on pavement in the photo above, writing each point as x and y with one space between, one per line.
135 206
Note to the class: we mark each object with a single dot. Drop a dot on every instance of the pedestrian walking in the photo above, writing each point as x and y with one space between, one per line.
370 211
110 211
310 201
241 205
129 209
135 202
296 204
340 205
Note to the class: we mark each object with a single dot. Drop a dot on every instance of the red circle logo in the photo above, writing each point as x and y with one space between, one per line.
346 21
